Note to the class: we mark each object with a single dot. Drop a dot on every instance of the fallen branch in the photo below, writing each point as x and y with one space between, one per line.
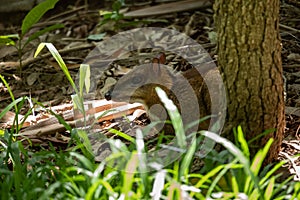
52 126
169 8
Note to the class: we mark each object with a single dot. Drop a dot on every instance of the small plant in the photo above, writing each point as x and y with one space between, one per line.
114 15
110 19
30 19
114 20
78 97
235 175
17 104
84 79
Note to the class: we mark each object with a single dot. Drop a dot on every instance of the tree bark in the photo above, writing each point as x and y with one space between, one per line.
249 58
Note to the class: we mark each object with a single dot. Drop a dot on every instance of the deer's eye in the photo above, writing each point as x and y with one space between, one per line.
136 80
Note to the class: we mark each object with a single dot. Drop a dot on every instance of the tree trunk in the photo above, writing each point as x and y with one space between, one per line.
249 58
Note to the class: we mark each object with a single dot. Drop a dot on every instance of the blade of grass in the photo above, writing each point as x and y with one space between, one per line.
206 177
235 187
269 190
187 159
220 175
10 106
271 172
59 60
256 165
35 35
158 184
86 162
128 177
175 117
243 142
8 88
123 135
140 146
84 79
7 40
237 153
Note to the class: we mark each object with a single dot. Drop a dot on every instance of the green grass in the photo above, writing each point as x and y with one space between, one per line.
52 174
70 174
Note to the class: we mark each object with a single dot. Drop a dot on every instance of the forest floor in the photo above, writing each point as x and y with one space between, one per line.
42 79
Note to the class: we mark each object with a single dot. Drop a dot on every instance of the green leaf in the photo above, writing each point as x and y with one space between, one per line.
260 156
116 6
116 16
207 176
221 178
35 14
228 145
85 78
235 186
43 31
12 104
184 167
11 36
39 49
96 37
243 142
256 164
158 184
254 195
104 12
1 134
259 136
86 142
7 40
269 190
239 155
271 171
175 117
123 135
77 102
84 160
7 86
142 156
59 60
98 185
9 91
129 172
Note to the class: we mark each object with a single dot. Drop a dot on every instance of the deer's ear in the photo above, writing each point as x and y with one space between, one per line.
161 58
155 66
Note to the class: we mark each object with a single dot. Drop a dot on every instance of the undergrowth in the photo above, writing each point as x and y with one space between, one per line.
127 173
22 39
